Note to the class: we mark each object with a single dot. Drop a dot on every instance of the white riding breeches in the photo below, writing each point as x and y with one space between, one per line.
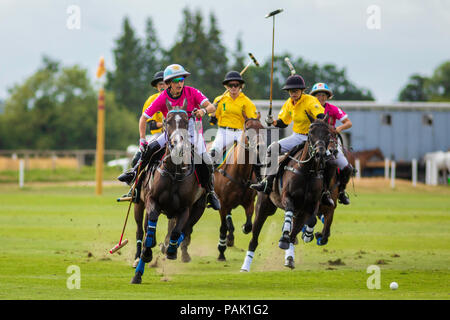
225 137
290 142
341 160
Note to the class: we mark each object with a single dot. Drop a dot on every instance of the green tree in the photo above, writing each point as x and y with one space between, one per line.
128 81
56 108
152 54
438 87
415 90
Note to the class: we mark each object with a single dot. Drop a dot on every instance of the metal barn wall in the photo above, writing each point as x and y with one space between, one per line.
406 138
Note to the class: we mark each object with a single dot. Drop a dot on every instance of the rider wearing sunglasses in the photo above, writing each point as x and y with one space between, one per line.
294 109
229 110
177 95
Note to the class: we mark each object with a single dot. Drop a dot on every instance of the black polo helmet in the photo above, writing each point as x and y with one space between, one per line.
233 76
294 82
159 76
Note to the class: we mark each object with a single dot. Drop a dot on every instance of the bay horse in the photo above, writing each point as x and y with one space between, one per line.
297 190
172 189
232 181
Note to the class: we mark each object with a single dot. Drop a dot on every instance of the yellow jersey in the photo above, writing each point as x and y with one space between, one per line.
229 111
290 112
158 116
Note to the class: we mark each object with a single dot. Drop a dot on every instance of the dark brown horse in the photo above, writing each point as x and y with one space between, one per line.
232 182
297 190
172 189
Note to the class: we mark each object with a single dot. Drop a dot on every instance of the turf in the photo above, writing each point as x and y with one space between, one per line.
45 228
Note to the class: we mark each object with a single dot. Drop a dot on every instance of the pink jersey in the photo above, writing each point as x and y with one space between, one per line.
335 113
194 99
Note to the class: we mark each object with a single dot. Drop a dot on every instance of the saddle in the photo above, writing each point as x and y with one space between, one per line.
284 160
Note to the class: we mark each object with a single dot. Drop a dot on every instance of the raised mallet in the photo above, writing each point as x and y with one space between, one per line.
272 14
291 67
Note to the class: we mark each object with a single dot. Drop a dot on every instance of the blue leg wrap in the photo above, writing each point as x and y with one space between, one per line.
140 267
151 230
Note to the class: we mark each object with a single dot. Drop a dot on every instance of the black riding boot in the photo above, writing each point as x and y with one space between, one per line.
130 175
211 197
265 185
344 178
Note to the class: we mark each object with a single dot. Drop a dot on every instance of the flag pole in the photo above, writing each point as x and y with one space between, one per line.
99 154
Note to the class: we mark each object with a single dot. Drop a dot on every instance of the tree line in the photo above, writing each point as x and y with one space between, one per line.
55 108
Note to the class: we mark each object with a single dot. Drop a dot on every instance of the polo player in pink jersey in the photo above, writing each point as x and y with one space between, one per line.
188 99
322 92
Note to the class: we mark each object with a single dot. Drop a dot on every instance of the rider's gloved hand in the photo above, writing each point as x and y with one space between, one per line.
142 145
269 120
213 120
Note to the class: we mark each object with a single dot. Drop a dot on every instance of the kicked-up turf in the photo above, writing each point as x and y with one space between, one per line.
50 230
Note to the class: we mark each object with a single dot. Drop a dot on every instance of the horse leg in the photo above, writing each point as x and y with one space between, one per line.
176 236
308 229
287 224
222 246
195 214
230 227
264 208
139 218
322 237
170 225
249 209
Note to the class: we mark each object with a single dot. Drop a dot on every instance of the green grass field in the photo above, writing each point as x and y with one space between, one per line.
45 228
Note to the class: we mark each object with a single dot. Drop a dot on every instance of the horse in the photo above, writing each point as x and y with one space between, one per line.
364 156
297 190
232 182
173 189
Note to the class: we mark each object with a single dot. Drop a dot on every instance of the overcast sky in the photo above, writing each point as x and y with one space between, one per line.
409 36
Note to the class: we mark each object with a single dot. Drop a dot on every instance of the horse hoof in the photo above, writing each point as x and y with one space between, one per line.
230 242
171 256
284 243
185 258
321 242
135 263
137 279
289 262
246 229
307 237
221 257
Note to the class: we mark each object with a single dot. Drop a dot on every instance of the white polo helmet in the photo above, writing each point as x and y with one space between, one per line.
174 71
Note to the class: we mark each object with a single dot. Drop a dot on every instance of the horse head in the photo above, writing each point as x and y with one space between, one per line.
321 138
176 127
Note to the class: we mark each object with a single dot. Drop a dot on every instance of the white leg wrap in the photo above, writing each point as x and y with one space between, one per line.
289 252
287 226
308 235
247 261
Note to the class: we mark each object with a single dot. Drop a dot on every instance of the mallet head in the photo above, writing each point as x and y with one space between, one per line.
254 59
274 13
118 246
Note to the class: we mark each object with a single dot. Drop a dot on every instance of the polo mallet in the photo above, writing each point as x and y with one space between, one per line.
272 14
291 67
121 243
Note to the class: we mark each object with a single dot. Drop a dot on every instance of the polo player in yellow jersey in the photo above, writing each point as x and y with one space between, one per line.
228 113
155 123
294 109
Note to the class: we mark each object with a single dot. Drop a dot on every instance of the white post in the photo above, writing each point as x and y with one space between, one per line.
433 173
21 172
414 172
386 168
393 174
358 169
428 172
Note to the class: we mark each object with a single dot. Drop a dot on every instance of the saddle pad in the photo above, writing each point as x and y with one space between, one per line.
225 156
